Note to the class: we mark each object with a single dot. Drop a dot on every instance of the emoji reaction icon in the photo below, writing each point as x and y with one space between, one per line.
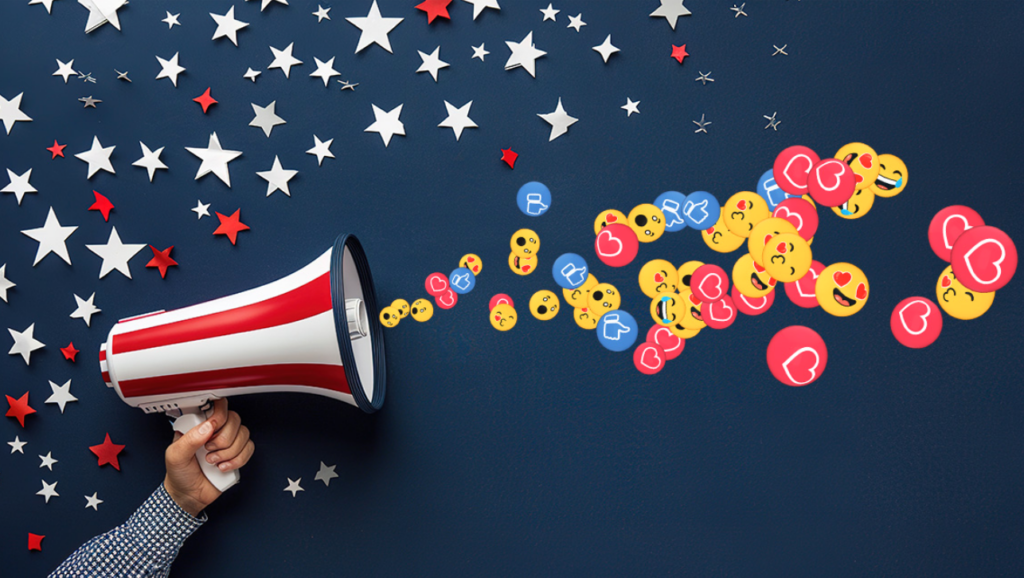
580 296
616 245
389 316
831 182
671 204
916 322
720 314
604 297
617 330
892 176
692 317
864 162
857 206
525 243
521 265
436 284
658 276
608 217
770 191
709 283
743 211
801 291
701 210
959 301
841 289
569 271
471 262
534 199
797 356
500 299
946 227
462 280
752 305
585 318
763 234
447 300
801 214
792 167
669 343
668 309
719 238
984 259
649 358
402 306
422 310
787 257
751 279
647 221
544 305
503 317
685 272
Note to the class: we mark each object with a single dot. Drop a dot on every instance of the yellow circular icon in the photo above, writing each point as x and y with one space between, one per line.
787 258
525 243
857 206
472 262
521 265
585 318
604 297
892 176
667 308
959 301
743 211
763 232
422 310
751 279
609 217
719 238
863 160
389 316
503 317
842 289
648 222
544 305
580 296
402 306
691 318
683 333
658 276
685 271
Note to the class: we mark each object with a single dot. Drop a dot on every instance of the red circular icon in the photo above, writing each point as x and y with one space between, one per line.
649 358
801 214
447 299
669 343
947 225
792 167
831 182
984 259
436 284
616 245
916 322
709 283
500 299
797 356
720 314
752 305
801 291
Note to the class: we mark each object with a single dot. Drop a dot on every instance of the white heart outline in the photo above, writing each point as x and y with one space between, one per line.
441 279
440 298
777 214
800 291
945 223
711 307
643 357
600 253
718 286
763 298
924 317
814 375
817 173
785 171
999 270
679 340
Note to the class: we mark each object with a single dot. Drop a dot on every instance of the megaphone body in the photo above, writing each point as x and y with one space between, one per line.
315 331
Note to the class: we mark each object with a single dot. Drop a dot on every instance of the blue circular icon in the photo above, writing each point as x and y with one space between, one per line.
770 191
462 280
701 210
533 199
617 330
671 203
569 271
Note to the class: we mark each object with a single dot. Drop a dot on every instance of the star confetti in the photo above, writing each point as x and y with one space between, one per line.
479 5
266 118
205 100
47 460
5 283
107 453
679 52
386 124
227 26
19 184
35 542
85 309
115 254
98 157
19 408
170 69
151 159
25 343
56 149
294 487
10 112
322 149
93 502
48 491
509 156
215 160
559 120
17 445
61 395
434 9
231 226
277 177
374 28
326 474
103 205
162 260
69 352
671 10
52 237
283 59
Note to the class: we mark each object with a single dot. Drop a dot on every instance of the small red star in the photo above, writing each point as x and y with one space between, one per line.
35 542
509 156
69 352
162 260
205 100
435 8
231 226
19 408
679 52
107 453
56 149
103 205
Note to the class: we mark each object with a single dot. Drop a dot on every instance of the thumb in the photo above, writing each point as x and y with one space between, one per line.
181 452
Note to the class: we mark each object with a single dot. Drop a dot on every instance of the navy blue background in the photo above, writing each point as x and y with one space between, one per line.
534 452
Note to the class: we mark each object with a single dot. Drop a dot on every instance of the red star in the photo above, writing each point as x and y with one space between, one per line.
103 205
35 542
509 156
19 408
205 100
435 8
107 453
162 260
679 52
231 226
56 149
69 352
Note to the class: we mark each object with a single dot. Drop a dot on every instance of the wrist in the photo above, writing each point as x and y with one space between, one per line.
191 506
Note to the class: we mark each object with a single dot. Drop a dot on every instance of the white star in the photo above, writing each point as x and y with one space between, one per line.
701 125
524 54
458 118
277 178
325 70
93 502
266 118
479 52
115 254
606 48
65 70
386 124
284 60
172 20
51 237
326 474
479 5
85 309
102 12
251 74
48 491
549 13
432 62
25 343
294 487
321 149
17 445
321 13
98 157
47 460
150 160
170 69
772 122
576 22
201 210
227 25
48 4
61 394
630 107
374 28
671 10
4 283
19 184
215 160
267 3
10 112
559 120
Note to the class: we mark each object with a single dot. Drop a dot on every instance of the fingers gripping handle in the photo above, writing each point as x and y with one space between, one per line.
221 480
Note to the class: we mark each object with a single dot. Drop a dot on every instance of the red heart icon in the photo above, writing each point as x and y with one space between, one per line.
865 161
693 298
781 248
859 178
470 259
771 282
525 268
767 238
862 291
476 269
658 277
584 309
497 317
758 268
611 218
438 284
710 231
742 205
945 281
841 278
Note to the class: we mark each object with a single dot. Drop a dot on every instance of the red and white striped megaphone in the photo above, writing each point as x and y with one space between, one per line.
314 331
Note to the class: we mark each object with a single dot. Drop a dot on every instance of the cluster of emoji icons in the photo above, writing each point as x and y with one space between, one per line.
444 290
618 236
525 244
544 305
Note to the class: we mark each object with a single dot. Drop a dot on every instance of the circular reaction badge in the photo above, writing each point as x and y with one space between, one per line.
801 292
462 280
544 305
585 318
668 308
447 299
580 296
720 239
503 317
892 176
770 191
787 257
658 276
946 227
422 310
863 160
616 245
763 234
607 218
670 343
471 262
797 356
648 358
389 316
701 210
916 322
842 289
801 214
436 284
831 182
525 243
984 259
751 279
500 299
686 271
521 265
647 222
743 211
709 283
720 314
604 297
569 271
752 305
617 330
671 204
534 199
959 301
792 167
402 306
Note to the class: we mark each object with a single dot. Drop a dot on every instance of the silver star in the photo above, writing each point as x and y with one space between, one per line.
326 474
294 487
89 101
122 75
702 125
346 85
772 123
739 10
780 50
266 118
704 78
86 77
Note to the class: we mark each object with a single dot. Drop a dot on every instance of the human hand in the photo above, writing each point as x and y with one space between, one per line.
230 448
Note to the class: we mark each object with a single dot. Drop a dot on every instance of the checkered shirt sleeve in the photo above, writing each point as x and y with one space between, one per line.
143 547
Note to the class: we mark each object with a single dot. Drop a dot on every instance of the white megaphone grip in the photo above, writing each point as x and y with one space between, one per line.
193 417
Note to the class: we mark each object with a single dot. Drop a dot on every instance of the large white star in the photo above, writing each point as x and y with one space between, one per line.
19 184
266 118
559 120
25 343
150 160
171 20
479 5
277 177
321 149
432 62
325 70
386 124
102 12
5 284
374 28
671 10
115 254
267 3
64 69
48 491
85 309
51 237
284 60
215 160
606 48
326 474
10 112
227 25
524 54
48 4
98 157
61 395
170 69
458 118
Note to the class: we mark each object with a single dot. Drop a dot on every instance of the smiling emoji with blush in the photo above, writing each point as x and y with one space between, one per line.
719 238
658 276
892 176
751 279
503 317
959 301
471 262
521 265
692 318
763 234
787 257
668 309
863 160
743 211
842 289
609 217
585 318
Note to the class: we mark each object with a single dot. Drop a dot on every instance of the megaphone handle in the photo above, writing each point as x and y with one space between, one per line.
189 419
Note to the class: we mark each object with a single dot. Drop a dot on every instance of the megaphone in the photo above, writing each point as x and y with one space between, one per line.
314 331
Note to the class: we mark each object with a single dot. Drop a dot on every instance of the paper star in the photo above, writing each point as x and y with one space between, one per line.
549 13
325 70
61 393
231 226
321 149
679 52
65 69
48 491
739 11
606 49
107 453
102 12
19 184
205 100
17 445
102 204
524 54
98 157
251 74
277 177
576 22
19 408
267 3
93 502
170 69
294 487
4 283
115 254
69 352
374 28
704 78
671 10
321 13
325 475
781 51
509 156
458 118
432 62
48 460
215 160
227 26
435 8
10 112
86 77
266 118
85 309
346 85
172 20
51 237
162 260
772 123
479 52
201 210
479 5
284 60
386 124
630 107
701 125
122 75
559 120
89 101
48 4
56 149
151 159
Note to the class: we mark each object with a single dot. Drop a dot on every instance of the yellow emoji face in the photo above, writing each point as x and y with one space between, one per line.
892 176
521 265
685 272
787 257
580 296
544 305
763 233
842 289
471 262
858 205
691 318
648 222
402 306
389 317
719 238
864 162
751 279
667 308
959 301
609 217
681 332
585 318
743 211
604 297
525 243
658 276
503 317
422 310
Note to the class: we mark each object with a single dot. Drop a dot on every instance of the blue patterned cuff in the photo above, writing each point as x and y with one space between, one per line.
160 526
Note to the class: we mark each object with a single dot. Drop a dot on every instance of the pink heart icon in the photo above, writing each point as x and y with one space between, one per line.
842 278
438 284
658 277
607 244
802 366
611 218
650 358
918 312
862 291
865 161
